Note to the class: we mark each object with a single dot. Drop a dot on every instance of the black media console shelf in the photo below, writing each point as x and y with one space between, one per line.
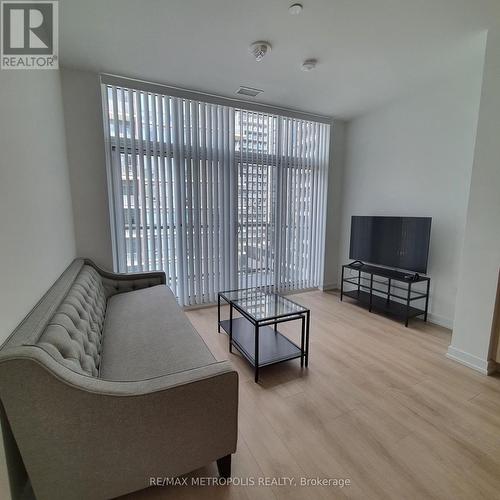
379 294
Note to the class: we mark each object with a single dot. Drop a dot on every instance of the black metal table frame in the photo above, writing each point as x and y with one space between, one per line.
304 316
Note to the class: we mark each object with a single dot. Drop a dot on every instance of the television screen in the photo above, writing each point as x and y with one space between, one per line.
401 242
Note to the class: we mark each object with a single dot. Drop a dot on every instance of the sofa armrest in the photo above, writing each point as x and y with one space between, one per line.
125 282
88 438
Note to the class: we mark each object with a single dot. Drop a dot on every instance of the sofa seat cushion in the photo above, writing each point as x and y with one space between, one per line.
146 335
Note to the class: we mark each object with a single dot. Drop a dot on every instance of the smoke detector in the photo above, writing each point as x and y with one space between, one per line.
295 9
259 50
309 64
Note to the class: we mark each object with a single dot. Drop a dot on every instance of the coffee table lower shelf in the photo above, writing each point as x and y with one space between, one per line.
273 346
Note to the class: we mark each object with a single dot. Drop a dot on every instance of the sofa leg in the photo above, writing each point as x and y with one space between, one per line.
224 466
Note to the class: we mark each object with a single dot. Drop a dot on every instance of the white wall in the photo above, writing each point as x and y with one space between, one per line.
414 157
471 341
87 163
36 224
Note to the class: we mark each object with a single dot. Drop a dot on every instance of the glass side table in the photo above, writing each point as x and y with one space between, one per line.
255 334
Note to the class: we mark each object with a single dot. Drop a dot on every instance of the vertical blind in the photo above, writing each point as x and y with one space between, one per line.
216 196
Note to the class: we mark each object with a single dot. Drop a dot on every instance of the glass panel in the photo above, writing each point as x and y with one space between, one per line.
261 304
255 140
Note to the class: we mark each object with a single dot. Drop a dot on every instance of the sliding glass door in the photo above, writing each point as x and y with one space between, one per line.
216 196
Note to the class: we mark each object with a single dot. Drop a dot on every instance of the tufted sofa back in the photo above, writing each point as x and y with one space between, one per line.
74 333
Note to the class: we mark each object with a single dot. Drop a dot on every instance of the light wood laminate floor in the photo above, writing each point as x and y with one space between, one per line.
380 404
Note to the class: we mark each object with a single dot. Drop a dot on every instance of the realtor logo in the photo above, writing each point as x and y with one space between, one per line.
29 35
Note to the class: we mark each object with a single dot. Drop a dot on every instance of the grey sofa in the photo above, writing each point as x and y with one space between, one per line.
106 384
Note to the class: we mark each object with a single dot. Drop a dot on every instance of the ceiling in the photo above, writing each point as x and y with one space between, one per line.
368 50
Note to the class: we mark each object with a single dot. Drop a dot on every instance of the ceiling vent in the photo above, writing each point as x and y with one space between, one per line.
249 91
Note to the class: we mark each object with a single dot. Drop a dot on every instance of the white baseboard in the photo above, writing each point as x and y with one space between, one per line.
437 319
484 366
329 286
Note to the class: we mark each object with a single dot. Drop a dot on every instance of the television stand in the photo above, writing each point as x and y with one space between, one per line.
356 263
412 277
386 290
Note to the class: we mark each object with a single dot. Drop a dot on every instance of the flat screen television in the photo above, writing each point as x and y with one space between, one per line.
400 242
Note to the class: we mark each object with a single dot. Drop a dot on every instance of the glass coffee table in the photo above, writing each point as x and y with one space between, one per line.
255 334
